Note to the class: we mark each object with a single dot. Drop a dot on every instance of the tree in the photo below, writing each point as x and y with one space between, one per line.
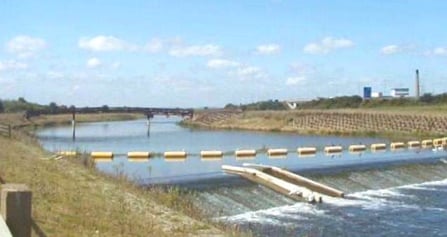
427 98
22 100
105 108
230 106
53 108
2 108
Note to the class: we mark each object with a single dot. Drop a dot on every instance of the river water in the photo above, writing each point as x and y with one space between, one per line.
399 193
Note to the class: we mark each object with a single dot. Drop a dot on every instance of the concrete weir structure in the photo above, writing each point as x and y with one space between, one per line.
290 184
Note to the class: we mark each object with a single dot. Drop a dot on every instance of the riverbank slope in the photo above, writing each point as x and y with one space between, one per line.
408 124
72 200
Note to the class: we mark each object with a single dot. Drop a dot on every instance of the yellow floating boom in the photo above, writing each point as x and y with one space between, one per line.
138 154
357 148
101 155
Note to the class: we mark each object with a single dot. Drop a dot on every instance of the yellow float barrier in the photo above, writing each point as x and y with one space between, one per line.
357 148
67 153
138 155
438 142
333 149
277 152
245 154
211 155
175 155
306 151
101 155
397 145
427 143
378 147
414 144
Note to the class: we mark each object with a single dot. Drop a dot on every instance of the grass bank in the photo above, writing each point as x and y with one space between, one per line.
416 123
73 199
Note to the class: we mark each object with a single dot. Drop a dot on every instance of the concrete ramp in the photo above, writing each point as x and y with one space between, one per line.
290 190
297 180
285 182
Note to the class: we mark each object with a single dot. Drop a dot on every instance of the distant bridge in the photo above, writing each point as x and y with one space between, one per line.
148 111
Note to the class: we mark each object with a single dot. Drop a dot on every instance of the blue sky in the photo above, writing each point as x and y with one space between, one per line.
210 53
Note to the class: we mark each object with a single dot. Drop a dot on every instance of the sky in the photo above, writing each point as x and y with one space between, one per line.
211 53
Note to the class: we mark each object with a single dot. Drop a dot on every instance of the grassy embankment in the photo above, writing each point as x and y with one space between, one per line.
418 122
72 200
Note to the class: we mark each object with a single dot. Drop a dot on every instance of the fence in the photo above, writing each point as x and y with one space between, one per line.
5 130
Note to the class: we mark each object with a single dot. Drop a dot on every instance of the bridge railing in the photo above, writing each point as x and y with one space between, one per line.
89 110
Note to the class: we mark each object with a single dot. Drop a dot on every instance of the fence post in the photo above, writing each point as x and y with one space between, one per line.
15 207
9 131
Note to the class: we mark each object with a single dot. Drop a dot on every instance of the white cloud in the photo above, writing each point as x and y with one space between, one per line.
154 46
291 81
440 51
249 72
391 49
12 65
196 50
25 46
94 63
104 43
268 49
221 63
327 45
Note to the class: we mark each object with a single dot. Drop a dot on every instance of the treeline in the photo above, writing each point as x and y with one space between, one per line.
358 102
345 102
21 105
262 105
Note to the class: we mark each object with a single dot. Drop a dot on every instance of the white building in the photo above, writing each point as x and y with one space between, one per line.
376 95
400 92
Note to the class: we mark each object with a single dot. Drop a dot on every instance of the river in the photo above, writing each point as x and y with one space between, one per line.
398 193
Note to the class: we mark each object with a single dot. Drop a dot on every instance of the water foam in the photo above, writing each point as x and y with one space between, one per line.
278 216
384 198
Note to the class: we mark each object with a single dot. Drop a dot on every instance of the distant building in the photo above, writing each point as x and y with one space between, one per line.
367 92
377 95
400 92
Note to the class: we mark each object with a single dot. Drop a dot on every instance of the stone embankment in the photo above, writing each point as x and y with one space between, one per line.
347 122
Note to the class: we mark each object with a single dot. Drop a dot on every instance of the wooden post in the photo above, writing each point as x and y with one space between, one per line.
9 131
15 204
73 124
149 116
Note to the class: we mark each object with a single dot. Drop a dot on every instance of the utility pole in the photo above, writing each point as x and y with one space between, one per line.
417 85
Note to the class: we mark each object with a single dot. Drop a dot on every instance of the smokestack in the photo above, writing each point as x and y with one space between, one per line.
417 85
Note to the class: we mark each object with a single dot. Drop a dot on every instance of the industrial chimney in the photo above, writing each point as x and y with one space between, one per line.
417 85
